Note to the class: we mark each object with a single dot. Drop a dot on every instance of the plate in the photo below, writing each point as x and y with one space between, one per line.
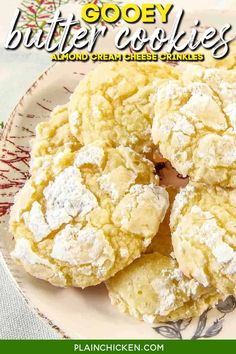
76 313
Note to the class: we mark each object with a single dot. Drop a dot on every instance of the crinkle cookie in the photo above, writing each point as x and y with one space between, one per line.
86 215
162 241
54 134
203 225
195 126
153 289
114 103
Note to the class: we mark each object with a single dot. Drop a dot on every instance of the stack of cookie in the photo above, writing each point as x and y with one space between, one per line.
96 209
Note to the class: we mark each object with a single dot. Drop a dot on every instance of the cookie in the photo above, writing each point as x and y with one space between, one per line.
153 289
114 103
203 226
86 215
195 126
54 134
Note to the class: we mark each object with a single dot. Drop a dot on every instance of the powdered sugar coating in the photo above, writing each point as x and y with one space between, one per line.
144 199
153 289
67 197
24 253
36 223
203 232
36 265
82 246
89 154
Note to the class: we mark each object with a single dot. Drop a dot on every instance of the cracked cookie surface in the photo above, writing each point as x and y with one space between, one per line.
85 215
114 103
203 235
153 289
195 125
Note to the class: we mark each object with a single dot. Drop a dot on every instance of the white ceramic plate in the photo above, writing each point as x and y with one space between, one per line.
81 313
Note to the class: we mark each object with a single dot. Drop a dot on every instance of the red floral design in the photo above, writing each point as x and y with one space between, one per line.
35 13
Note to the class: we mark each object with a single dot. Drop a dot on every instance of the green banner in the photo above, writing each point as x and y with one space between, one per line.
117 346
